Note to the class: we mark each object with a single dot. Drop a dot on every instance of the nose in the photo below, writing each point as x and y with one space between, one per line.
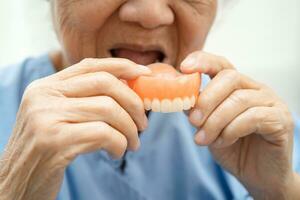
149 14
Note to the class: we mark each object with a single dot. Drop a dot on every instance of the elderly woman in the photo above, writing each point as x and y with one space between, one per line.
67 118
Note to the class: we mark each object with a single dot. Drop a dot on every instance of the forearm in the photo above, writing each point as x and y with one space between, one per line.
23 176
15 172
24 181
12 179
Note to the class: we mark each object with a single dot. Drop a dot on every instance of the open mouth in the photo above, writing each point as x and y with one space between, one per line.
138 55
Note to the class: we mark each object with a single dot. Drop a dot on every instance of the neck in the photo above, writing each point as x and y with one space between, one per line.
58 60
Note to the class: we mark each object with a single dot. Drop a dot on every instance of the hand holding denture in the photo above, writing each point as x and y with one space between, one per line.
243 122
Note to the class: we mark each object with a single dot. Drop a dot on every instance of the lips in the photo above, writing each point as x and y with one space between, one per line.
142 57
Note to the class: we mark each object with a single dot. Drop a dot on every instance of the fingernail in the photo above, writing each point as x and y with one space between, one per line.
196 117
144 69
145 123
189 63
137 146
200 137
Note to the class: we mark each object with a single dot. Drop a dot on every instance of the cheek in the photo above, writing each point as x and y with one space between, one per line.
193 25
91 15
77 24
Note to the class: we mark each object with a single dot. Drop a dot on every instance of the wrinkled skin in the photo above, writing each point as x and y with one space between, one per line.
248 129
88 30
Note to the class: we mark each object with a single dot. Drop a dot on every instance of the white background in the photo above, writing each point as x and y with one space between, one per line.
261 37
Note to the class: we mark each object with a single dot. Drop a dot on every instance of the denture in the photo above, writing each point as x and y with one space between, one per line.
167 90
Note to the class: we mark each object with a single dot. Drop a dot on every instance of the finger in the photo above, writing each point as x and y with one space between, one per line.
266 121
104 109
238 102
119 67
217 90
206 63
92 136
103 83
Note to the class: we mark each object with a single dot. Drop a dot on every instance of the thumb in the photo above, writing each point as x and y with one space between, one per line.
206 63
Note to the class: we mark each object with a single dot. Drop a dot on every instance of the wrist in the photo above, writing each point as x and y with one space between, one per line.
294 189
286 190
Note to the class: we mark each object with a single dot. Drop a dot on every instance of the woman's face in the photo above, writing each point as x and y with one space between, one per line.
144 31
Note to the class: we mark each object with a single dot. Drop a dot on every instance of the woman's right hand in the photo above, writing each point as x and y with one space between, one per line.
81 109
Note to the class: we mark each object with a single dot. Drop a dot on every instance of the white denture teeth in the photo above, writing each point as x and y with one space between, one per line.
155 105
177 105
186 103
168 105
193 101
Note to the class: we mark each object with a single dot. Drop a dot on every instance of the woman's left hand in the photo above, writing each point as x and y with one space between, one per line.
248 129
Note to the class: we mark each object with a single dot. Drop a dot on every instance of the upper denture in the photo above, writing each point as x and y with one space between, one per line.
167 90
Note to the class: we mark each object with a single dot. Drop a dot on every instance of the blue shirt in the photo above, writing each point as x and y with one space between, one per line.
168 165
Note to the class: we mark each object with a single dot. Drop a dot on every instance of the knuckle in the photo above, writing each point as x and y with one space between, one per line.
226 62
231 74
27 101
239 97
278 121
256 115
87 61
284 138
34 85
225 135
228 134
105 80
204 102
105 76
279 127
35 91
41 121
269 121
214 123
109 105
31 91
104 132
137 104
216 120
